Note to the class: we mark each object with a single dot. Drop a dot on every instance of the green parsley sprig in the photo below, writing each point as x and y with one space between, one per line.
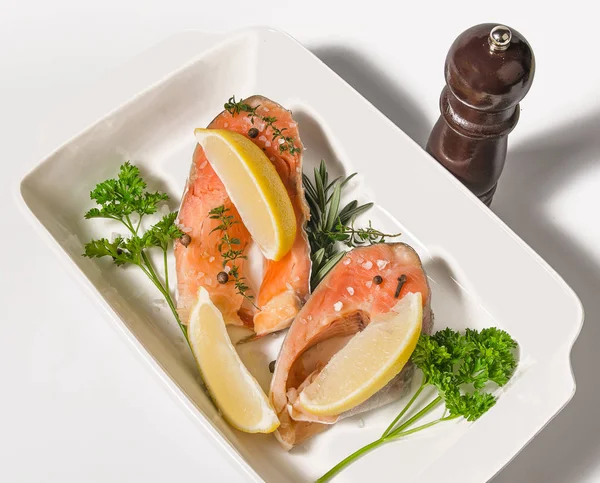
229 251
463 368
120 199
234 107
329 224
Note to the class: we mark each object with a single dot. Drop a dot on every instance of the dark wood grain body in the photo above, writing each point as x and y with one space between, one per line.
480 106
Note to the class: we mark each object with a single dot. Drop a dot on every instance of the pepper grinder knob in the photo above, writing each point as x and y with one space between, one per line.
489 70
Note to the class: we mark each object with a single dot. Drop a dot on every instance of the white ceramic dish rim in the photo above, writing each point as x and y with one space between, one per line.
213 42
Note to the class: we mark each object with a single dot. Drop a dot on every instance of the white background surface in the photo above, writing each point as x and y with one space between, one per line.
76 405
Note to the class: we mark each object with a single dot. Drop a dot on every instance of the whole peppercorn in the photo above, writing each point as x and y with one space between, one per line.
185 240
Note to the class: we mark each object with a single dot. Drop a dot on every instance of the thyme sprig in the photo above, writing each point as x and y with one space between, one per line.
355 237
229 251
234 107
330 224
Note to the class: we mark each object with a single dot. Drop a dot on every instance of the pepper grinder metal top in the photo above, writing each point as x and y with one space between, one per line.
500 38
489 70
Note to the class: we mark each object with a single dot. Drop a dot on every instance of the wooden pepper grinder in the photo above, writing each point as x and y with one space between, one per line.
488 70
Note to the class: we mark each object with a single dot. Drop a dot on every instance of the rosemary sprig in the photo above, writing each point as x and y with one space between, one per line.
229 252
329 225
234 107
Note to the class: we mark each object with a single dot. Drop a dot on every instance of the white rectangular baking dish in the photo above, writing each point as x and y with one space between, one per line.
481 273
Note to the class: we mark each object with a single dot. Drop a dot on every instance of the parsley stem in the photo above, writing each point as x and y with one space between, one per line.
406 408
387 436
415 430
166 272
349 459
149 271
138 224
129 225
416 417
150 268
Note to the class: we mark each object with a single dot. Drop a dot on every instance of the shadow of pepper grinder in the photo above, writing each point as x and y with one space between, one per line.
489 70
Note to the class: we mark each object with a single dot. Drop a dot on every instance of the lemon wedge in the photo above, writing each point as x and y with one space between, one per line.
368 362
233 389
255 188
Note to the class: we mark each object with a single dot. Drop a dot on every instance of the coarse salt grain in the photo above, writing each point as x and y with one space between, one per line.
296 279
262 138
226 124
186 229
266 109
267 144
226 269
346 261
211 259
368 265
208 281
338 306
350 290
203 165
280 140
369 283
309 317
381 264
288 286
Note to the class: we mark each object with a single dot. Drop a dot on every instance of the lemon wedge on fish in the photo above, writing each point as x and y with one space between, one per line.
367 362
255 188
236 393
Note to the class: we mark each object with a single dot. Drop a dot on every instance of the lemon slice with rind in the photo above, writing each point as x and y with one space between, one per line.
368 362
236 393
255 188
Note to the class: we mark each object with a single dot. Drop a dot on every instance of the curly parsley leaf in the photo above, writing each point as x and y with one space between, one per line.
163 232
461 367
120 198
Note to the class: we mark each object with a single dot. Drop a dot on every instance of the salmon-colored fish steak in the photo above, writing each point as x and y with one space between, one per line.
345 301
285 284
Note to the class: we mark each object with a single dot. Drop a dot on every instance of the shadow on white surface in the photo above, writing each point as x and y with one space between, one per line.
536 171
373 83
